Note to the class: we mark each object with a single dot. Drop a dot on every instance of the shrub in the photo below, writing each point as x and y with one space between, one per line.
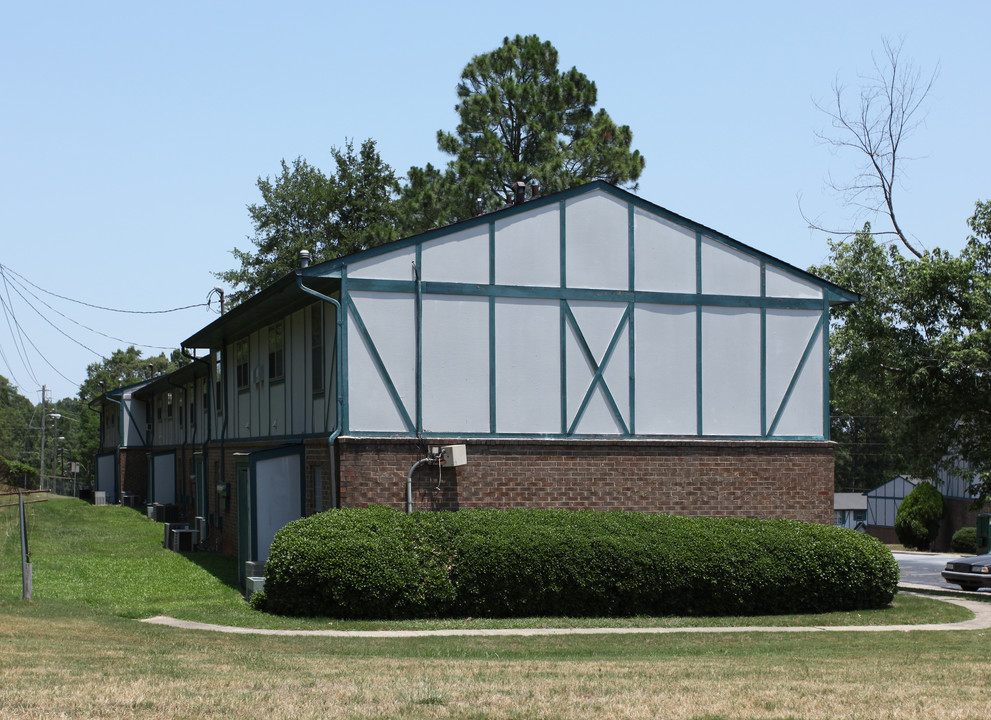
964 540
380 563
918 517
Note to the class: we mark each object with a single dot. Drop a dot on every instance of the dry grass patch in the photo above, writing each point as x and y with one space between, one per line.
98 667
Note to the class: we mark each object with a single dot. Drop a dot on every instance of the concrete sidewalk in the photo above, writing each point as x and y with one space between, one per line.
980 621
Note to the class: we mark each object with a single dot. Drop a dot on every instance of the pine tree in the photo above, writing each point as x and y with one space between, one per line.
522 119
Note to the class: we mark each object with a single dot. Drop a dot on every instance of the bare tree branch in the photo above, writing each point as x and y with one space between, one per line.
888 112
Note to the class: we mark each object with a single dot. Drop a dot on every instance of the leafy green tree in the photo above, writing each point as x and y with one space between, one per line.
868 453
917 349
329 215
918 517
18 436
522 119
431 198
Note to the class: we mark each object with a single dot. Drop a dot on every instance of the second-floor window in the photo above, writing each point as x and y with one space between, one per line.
275 351
241 362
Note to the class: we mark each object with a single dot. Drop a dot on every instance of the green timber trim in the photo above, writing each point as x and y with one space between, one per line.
564 310
380 366
563 350
763 352
418 339
825 370
699 430
343 381
794 378
492 336
631 335
579 436
598 378
573 294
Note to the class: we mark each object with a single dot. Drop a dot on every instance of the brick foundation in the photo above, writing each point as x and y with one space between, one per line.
683 477
791 480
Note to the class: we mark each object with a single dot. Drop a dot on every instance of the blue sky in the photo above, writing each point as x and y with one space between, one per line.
132 134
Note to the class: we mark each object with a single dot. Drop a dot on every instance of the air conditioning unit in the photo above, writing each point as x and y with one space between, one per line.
184 540
168 513
254 568
169 527
100 497
252 585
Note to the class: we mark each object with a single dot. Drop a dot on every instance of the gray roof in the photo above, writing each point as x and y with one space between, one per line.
849 501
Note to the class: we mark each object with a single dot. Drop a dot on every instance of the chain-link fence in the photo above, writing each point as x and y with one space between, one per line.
67 486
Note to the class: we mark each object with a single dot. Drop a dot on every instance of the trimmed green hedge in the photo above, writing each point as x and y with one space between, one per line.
381 563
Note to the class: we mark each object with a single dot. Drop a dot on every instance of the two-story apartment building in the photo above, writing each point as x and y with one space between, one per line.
589 349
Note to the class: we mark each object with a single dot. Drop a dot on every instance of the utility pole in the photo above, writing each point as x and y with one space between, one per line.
55 416
44 415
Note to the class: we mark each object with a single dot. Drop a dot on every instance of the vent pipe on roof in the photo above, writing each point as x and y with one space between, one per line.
304 259
519 193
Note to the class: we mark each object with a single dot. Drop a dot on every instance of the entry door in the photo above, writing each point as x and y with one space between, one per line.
106 477
163 478
244 551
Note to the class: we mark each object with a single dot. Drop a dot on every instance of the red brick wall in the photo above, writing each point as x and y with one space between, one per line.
682 477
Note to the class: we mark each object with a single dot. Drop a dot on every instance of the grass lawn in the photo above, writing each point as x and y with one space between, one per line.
75 651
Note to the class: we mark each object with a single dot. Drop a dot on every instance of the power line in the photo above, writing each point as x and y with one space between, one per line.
11 279
8 312
85 327
99 307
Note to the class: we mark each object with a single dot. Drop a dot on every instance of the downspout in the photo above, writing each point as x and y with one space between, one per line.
338 361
